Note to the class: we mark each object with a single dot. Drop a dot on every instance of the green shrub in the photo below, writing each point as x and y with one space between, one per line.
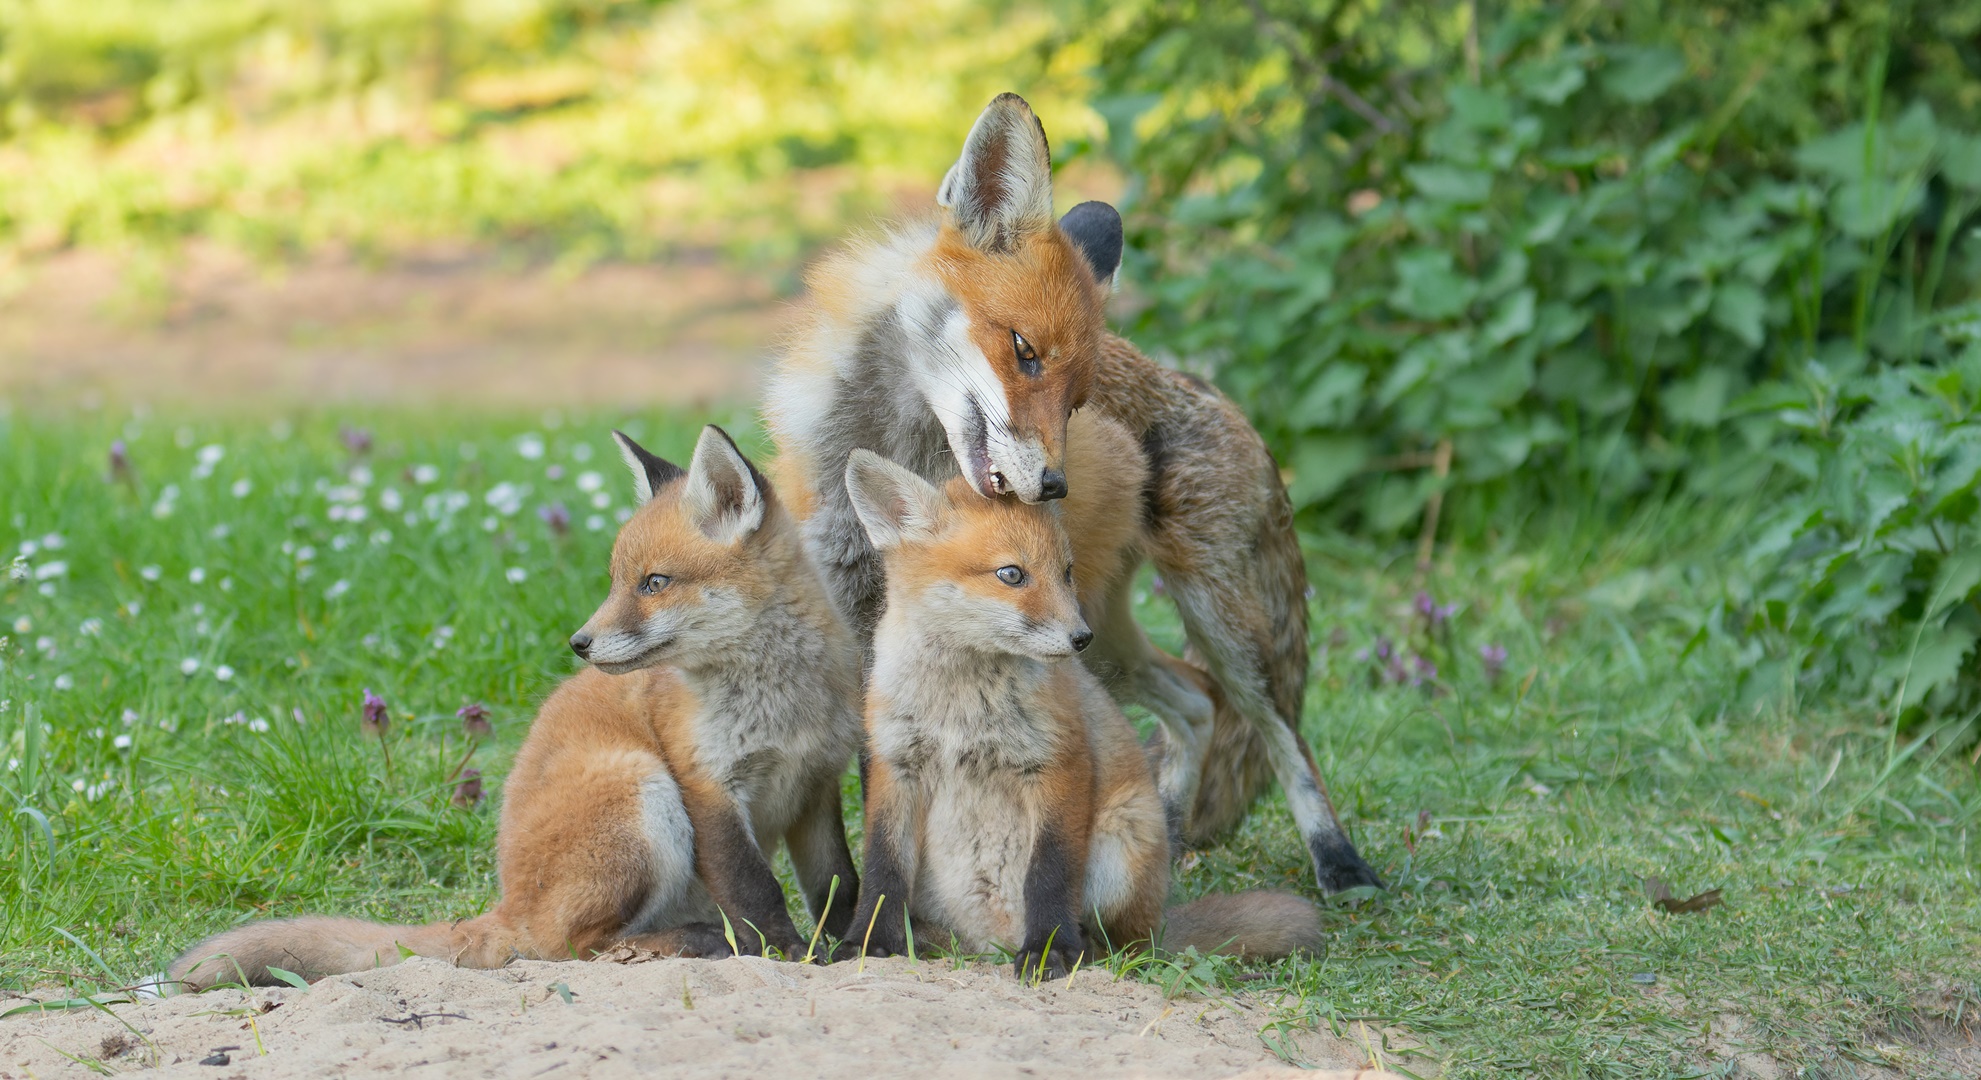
1594 254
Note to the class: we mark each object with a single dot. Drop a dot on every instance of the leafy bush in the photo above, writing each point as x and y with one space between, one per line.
1611 250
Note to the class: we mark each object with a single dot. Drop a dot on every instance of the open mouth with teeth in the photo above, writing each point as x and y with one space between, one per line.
973 456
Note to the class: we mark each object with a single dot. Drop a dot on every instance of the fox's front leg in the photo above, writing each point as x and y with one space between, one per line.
736 874
879 924
1054 942
819 854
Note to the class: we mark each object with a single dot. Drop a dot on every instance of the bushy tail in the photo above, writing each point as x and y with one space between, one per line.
318 946
1262 924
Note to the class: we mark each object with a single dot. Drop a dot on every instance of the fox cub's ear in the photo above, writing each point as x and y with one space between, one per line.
893 503
1000 190
650 472
725 493
1095 228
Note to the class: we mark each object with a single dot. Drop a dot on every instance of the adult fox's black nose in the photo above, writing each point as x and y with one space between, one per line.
581 643
1052 484
1082 638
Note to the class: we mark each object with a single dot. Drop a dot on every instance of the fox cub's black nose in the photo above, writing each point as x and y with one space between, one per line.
1052 484
581 643
1082 639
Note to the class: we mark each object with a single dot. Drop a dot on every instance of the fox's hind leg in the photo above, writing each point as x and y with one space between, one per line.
1179 693
1234 567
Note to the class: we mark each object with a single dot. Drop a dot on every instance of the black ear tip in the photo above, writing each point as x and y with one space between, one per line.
1095 228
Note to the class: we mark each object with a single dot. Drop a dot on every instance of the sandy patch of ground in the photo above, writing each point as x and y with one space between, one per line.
685 1019
215 328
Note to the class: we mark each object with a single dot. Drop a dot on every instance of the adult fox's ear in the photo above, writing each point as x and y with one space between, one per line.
650 471
893 503
1095 228
1000 190
725 493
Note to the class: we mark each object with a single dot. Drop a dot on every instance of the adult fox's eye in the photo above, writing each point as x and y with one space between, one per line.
1011 575
1028 357
1069 574
653 583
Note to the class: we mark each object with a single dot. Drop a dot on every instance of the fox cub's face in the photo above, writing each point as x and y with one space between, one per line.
1005 346
687 569
970 573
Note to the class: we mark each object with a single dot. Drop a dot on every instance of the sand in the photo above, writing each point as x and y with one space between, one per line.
688 1019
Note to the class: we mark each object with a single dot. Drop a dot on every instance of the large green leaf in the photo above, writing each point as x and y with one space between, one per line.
1427 286
1640 75
1739 309
1937 659
1322 463
1451 183
1700 399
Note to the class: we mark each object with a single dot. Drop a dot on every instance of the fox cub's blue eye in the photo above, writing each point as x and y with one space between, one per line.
1011 575
653 583
1028 357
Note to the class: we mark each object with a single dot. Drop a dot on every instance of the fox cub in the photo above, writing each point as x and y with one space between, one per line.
1009 802
716 719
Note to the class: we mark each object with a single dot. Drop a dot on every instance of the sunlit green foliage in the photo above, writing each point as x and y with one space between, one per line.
575 129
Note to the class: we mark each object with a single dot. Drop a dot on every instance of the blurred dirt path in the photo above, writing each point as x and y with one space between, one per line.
683 1019
216 330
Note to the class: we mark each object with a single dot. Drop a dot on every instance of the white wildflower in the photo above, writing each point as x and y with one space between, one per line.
65 681
530 446
391 501
590 481
189 665
595 523
48 570
29 549
23 625
91 627
425 474
581 452
601 500
243 488
337 588
360 475
196 575
52 542
516 575
122 742
152 573
258 725
224 673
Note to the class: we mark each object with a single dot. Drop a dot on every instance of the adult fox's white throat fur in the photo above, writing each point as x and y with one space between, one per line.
644 805
959 346
1009 803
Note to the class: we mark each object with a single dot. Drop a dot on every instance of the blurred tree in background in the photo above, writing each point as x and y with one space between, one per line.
578 129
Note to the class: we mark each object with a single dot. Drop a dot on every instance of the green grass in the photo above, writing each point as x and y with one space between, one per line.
1612 748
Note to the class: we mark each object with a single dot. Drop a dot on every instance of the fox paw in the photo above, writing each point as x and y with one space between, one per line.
1041 963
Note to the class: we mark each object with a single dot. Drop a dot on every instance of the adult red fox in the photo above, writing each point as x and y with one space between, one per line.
959 346
720 711
1009 802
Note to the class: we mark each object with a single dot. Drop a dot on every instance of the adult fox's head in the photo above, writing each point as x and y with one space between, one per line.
1003 346
693 565
969 574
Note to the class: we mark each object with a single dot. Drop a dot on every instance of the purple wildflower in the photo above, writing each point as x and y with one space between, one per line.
356 439
376 719
474 719
557 517
120 462
1494 657
468 793
1433 613
1422 671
